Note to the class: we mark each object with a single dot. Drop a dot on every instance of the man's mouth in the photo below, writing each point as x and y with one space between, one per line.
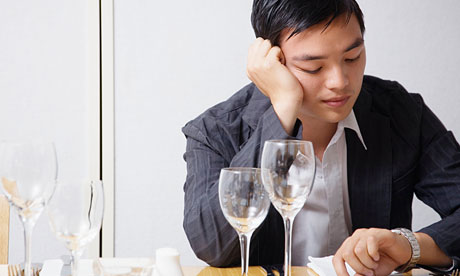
337 102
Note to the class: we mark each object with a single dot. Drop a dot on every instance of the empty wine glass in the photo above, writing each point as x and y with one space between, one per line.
28 173
75 215
288 171
244 203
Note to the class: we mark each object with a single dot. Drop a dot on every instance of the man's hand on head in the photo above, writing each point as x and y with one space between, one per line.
372 252
267 70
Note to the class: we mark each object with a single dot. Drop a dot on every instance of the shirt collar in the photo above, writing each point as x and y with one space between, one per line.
351 123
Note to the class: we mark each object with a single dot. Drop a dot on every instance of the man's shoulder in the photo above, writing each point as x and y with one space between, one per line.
224 113
237 102
390 97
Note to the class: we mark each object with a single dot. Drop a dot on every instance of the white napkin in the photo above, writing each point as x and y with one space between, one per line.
86 267
123 266
324 267
54 267
3 270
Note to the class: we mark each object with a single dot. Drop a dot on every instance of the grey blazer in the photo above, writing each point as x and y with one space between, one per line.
408 151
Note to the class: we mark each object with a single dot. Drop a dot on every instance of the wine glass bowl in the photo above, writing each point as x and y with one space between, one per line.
244 203
75 215
288 171
28 172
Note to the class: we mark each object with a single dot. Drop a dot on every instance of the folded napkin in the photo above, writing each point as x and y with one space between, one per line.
324 267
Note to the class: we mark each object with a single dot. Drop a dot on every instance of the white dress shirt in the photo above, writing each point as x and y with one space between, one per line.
324 222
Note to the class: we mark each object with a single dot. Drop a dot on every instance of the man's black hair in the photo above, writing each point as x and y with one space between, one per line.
270 17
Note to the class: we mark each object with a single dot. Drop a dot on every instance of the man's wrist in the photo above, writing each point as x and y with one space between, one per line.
287 114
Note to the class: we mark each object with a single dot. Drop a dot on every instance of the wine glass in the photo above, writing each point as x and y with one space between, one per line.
288 171
75 215
245 204
28 173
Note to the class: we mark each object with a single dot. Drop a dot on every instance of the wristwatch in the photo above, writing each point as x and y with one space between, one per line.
409 235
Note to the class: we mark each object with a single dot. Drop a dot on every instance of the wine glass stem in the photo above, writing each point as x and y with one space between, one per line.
287 245
28 228
75 261
245 239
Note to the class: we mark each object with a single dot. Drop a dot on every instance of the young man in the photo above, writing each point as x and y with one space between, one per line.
376 144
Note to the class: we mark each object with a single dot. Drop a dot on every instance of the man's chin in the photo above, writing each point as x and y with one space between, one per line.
335 117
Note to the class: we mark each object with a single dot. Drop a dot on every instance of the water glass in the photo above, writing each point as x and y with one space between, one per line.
244 203
75 215
288 171
28 172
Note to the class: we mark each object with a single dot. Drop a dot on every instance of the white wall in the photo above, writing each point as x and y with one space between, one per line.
46 78
174 59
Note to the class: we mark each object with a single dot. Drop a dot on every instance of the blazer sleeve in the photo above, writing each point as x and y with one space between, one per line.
211 237
439 181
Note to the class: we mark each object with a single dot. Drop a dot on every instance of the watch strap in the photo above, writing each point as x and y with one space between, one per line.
409 235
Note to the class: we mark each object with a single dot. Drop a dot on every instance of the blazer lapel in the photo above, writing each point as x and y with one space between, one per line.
369 171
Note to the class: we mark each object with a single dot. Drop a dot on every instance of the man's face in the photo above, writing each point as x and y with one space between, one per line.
329 65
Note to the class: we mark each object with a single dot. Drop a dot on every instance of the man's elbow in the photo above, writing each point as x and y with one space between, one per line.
210 250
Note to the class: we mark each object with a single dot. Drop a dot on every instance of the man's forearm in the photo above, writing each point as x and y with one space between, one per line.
430 253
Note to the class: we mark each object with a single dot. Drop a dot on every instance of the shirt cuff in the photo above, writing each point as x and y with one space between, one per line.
455 265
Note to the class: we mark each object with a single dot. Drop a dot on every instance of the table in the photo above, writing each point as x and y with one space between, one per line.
253 271
236 271
258 271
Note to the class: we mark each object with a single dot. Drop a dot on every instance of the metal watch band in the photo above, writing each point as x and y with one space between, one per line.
409 235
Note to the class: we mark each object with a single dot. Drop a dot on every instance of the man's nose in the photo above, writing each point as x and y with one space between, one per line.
337 79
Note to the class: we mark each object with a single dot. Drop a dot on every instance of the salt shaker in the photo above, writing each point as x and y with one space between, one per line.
167 262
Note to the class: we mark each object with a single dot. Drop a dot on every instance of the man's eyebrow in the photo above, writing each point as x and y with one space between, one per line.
306 57
358 42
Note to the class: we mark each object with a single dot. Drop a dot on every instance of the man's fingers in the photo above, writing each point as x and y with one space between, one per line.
362 253
339 266
260 49
350 257
257 56
373 249
265 46
273 56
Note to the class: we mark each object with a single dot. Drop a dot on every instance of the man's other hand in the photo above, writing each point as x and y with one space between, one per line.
267 70
372 252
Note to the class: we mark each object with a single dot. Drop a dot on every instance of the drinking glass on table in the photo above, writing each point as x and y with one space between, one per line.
244 203
288 171
75 215
28 173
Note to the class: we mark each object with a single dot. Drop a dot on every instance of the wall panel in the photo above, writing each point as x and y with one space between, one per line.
49 90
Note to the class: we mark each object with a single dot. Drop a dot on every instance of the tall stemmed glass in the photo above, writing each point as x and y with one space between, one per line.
28 173
288 171
244 203
75 215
